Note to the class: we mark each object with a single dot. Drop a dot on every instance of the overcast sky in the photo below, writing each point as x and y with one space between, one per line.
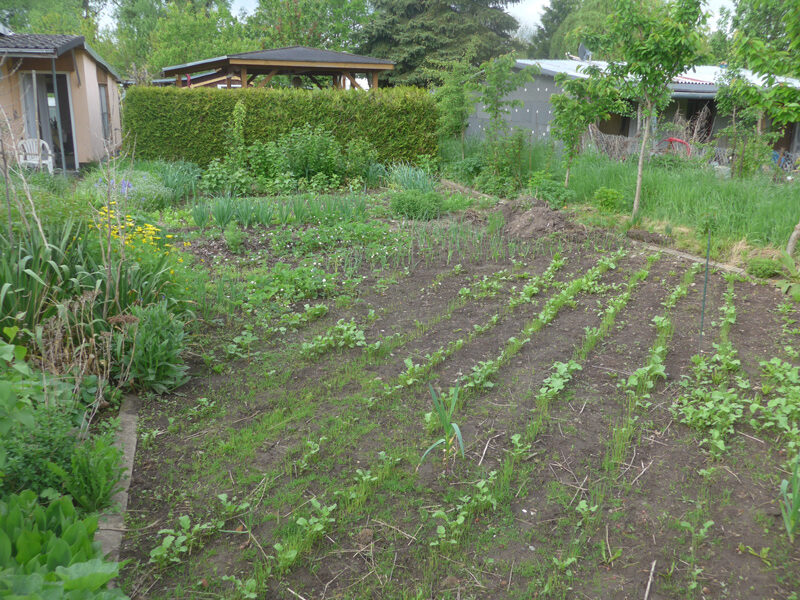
526 11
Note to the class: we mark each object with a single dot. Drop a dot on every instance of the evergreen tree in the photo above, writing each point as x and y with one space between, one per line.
552 18
410 31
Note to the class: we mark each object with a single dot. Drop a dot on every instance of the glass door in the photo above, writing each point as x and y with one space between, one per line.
48 118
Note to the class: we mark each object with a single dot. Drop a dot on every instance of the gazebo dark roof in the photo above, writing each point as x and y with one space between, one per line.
294 60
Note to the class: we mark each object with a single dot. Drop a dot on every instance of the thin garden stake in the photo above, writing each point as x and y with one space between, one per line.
705 289
8 191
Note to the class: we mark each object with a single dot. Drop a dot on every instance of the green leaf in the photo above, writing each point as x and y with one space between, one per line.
90 575
5 549
28 544
58 554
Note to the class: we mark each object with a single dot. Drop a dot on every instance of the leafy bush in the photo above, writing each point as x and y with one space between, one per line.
95 474
151 349
610 200
764 268
496 185
49 437
190 123
50 552
552 192
415 204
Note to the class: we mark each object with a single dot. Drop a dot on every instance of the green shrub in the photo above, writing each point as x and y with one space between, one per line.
151 349
764 268
49 552
415 204
190 123
359 155
552 192
29 449
96 470
610 200
496 185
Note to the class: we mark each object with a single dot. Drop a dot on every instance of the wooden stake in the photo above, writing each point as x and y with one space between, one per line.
650 581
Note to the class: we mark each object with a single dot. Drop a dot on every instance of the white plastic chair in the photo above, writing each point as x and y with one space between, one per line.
35 153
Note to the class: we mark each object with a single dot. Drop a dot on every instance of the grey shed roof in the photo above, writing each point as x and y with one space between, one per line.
38 45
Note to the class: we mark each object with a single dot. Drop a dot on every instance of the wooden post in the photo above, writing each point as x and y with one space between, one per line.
374 84
178 80
266 80
228 80
243 76
352 79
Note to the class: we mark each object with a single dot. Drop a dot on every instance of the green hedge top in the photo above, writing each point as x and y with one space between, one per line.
190 123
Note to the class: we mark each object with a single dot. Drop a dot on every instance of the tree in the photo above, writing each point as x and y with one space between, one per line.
187 32
582 102
330 24
552 17
455 82
653 41
772 58
766 21
578 26
409 32
135 22
500 78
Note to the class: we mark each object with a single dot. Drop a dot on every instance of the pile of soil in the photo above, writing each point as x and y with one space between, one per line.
530 218
649 237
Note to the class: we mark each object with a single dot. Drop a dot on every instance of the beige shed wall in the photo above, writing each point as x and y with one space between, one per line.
85 102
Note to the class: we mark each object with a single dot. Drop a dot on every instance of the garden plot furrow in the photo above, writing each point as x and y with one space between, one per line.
724 495
483 496
758 331
563 473
504 344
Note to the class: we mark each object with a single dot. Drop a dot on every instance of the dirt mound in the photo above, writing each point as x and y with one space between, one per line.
526 221
648 237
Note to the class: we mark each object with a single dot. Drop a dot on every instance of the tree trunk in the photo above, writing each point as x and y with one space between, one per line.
566 179
645 137
792 245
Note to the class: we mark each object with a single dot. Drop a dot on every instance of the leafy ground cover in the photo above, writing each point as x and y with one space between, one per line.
568 362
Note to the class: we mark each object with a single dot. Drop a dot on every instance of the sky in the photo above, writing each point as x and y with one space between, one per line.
527 12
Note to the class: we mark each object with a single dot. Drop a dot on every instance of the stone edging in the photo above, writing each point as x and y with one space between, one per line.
112 524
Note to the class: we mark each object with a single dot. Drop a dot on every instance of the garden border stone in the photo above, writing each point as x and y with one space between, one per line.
112 524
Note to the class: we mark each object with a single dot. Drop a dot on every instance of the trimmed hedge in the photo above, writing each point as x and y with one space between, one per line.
190 123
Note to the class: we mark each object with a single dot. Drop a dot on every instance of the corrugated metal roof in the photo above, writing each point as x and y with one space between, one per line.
700 79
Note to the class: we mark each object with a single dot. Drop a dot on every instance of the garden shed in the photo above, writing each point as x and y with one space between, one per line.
240 70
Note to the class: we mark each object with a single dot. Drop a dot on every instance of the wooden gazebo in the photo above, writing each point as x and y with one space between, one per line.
242 69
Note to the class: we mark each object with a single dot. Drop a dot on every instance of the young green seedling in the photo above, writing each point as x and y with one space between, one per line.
452 432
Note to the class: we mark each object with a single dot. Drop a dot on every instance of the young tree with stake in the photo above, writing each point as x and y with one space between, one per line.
652 42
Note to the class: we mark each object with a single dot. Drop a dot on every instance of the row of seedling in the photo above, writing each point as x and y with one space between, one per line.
299 210
712 400
415 373
561 373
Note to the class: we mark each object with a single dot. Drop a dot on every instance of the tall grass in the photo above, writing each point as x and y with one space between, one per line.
755 209
409 177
